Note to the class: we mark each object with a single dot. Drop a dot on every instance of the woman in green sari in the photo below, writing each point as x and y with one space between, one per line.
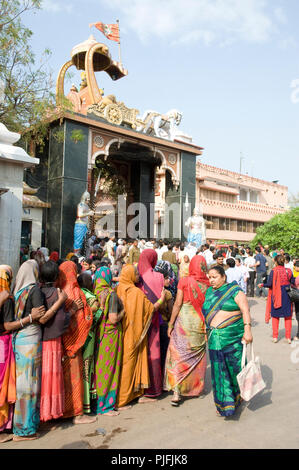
109 344
86 285
228 322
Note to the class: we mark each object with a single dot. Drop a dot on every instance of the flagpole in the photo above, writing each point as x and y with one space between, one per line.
119 49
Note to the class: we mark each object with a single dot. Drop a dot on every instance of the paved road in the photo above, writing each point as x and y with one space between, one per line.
269 421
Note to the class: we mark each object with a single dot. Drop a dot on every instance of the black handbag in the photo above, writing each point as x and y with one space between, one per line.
293 294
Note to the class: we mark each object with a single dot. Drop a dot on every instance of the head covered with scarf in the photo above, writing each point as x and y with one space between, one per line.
27 278
164 267
102 285
74 338
151 282
198 282
5 277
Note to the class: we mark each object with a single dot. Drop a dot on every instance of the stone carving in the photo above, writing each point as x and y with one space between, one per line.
99 141
197 228
161 125
81 224
115 112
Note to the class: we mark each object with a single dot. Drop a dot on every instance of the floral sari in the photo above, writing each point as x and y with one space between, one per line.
7 363
186 356
108 346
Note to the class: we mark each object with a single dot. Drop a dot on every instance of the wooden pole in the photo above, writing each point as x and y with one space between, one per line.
119 49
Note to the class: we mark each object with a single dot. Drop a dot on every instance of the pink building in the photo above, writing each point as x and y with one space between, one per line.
235 204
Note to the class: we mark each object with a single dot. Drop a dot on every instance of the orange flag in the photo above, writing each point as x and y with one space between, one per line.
111 31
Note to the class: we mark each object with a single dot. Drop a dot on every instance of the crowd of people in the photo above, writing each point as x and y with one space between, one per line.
85 336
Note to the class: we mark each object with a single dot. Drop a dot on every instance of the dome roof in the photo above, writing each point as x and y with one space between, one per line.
101 58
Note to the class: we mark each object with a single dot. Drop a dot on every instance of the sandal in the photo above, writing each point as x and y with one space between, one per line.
176 400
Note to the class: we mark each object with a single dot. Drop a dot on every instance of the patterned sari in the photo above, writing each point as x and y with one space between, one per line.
186 356
7 364
89 355
73 340
108 348
27 346
225 347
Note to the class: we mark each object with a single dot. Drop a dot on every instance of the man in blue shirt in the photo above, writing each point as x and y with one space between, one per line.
261 272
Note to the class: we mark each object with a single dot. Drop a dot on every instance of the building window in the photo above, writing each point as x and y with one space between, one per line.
243 195
253 196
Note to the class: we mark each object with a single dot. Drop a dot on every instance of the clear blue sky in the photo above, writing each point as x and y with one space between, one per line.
227 65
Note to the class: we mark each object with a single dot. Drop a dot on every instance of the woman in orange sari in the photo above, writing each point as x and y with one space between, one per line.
73 341
134 375
7 358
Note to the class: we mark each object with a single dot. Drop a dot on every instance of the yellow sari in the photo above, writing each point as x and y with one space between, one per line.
134 376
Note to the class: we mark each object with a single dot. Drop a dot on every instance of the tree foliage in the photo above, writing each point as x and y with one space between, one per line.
282 231
27 100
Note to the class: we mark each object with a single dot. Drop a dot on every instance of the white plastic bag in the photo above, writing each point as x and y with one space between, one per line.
250 378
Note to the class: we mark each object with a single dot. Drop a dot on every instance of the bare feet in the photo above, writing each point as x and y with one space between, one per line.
123 408
5 437
84 419
146 400
24 438
112 413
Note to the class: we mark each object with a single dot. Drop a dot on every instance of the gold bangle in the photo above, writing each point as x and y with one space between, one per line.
247 324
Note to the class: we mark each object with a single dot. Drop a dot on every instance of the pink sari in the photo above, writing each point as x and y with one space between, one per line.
152 284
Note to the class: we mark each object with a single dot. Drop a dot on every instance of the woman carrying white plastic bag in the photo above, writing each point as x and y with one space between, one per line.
250 378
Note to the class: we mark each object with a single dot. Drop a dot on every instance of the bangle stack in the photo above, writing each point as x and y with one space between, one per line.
30 317
22 324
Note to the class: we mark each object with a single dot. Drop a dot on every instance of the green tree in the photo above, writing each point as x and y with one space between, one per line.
282 231
27 100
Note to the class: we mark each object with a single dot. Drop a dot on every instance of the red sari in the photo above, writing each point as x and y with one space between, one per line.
73 341
152 284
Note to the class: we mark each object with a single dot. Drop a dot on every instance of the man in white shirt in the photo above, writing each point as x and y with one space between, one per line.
233 273
244 271
249 264
208 255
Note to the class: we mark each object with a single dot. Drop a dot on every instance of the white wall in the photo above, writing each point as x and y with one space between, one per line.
11 177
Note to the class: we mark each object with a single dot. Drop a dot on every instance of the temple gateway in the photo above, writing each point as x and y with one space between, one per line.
151 160
135 167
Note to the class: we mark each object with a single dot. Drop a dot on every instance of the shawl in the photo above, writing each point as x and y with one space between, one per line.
27 274
27 278
81 321
152 283
198 283
54 256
